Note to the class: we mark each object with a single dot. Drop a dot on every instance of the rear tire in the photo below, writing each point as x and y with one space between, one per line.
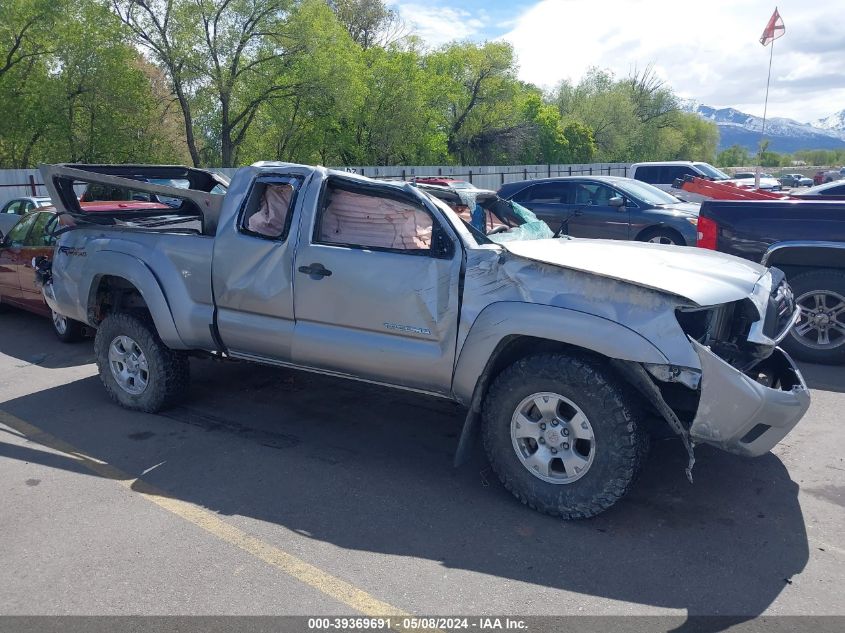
138 371
663 236
819 335
594 422
67 330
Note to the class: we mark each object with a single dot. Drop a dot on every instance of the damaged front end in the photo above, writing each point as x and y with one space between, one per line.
748 412
747 393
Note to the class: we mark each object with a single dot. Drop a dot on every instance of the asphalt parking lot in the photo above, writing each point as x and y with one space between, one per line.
276 492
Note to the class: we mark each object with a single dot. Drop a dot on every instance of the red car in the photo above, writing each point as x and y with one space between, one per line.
31 237
445 181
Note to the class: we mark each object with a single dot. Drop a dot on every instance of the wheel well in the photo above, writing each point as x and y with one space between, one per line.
659 228
802 258
112 294
513 348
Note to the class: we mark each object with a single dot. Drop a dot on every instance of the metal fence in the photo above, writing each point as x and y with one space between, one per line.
15 183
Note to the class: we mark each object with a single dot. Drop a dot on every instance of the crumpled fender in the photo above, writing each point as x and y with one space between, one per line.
581 329
139 275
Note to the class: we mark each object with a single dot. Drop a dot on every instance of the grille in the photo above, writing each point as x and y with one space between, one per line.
779 312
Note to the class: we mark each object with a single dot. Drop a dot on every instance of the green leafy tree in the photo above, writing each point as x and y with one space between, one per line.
88 96
478 93
370 22
226 59
734 156
26 32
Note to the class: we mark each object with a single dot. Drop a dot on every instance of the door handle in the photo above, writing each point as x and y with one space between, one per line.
315 271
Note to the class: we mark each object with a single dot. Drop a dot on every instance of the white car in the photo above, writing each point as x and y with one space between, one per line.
14 209
746 179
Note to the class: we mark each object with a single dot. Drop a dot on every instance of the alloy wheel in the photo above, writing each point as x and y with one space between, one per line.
553 438
59 322
128 365
822 321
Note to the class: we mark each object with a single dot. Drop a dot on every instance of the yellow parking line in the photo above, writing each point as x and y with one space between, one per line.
297 568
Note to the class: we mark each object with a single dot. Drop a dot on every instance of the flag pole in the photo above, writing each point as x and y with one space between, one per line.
765 111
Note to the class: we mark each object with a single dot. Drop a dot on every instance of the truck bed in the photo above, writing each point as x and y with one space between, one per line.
747 228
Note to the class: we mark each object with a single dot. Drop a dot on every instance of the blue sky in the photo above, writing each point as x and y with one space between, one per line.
708 52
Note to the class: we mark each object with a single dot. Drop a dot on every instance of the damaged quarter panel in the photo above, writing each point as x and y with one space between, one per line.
178 293
615 318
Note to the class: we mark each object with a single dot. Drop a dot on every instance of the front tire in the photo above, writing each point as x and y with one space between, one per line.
819 335
67 330
138 371
563 434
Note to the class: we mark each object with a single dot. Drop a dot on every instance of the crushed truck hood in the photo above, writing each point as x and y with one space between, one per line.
702 276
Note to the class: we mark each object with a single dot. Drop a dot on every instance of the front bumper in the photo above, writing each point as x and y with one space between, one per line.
738 413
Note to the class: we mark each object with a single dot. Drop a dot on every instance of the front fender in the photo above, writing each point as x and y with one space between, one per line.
509 318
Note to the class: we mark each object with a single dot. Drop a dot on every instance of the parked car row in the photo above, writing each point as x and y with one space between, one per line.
12 210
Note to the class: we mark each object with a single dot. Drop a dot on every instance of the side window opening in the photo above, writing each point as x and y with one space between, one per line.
358 219
268 209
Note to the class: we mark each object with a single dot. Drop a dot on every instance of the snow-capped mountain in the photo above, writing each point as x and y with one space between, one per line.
784 135
835 121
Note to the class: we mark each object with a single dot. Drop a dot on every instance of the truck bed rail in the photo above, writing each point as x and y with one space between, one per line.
201 198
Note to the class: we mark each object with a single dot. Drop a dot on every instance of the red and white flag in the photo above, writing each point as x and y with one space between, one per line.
774 29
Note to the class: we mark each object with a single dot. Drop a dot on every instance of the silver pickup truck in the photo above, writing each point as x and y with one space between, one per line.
568 354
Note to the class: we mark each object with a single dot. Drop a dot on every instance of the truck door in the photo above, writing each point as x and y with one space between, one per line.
252 267
376 286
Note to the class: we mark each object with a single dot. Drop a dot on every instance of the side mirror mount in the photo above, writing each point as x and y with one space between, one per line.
617 201
441 246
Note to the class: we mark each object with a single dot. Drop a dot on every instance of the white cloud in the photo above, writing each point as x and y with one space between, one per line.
437 25
708 52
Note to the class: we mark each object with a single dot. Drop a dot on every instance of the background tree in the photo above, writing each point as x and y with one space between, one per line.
370 22
88 96
343 82
478 96
734 156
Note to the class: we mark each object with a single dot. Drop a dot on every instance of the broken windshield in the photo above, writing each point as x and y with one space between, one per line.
531 227
492 219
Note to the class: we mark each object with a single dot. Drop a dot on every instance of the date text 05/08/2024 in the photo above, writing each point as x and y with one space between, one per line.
416 624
